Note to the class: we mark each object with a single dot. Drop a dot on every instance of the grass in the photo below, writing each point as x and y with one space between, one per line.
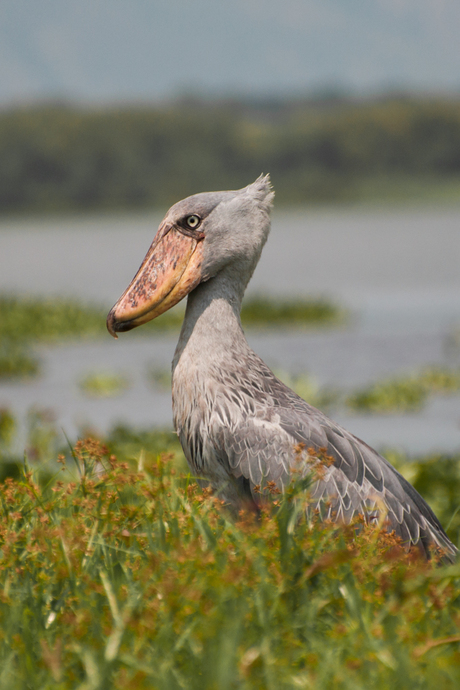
52 320
27 321
437 478
405 393
263 312
401 395
48 320
17 361
136 578
103 384
8 430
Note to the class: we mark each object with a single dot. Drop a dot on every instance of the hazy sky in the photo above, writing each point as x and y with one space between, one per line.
114 50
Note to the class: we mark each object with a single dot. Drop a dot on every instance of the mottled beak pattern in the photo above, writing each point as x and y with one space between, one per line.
170 270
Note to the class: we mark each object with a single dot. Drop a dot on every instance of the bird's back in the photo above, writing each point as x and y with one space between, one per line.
243 428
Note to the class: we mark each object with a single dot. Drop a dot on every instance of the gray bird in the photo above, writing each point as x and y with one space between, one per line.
240 427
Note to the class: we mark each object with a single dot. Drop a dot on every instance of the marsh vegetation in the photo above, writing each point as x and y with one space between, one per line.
118 571
404 393
27 321
64 158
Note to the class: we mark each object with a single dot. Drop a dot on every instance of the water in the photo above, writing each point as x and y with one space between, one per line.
397 270
399 261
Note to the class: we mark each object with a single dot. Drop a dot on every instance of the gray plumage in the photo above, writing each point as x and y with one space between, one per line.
240 427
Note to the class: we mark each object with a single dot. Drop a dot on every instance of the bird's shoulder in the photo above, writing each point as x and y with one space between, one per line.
262 427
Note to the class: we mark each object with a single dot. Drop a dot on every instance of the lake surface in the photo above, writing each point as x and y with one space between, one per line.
397 270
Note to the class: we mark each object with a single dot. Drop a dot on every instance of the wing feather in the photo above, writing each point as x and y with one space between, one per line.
255 423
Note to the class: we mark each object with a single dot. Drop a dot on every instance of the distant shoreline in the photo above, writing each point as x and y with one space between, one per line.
65 159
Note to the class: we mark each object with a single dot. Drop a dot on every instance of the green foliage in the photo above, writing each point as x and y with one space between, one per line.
47 320
436 478
395 397
118 571
103 384
138 445
8 430
391 396
438 380
42 437
51 320
405 393
55 158
27 320
16 361
263 312
127 575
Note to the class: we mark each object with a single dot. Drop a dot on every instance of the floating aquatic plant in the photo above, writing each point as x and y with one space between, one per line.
301 312
57 319
103 384
404 393
17 361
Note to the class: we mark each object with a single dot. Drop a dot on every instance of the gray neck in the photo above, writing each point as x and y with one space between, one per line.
212 326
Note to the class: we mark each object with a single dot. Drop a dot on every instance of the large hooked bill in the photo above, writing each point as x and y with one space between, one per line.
171 269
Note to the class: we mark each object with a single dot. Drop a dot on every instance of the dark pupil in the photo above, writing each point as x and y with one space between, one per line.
192 221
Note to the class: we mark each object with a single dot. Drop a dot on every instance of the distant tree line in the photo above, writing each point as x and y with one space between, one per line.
65 158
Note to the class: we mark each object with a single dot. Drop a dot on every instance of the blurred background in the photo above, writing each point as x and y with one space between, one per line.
112 111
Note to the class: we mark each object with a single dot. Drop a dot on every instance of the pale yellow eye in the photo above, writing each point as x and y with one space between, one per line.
193 221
